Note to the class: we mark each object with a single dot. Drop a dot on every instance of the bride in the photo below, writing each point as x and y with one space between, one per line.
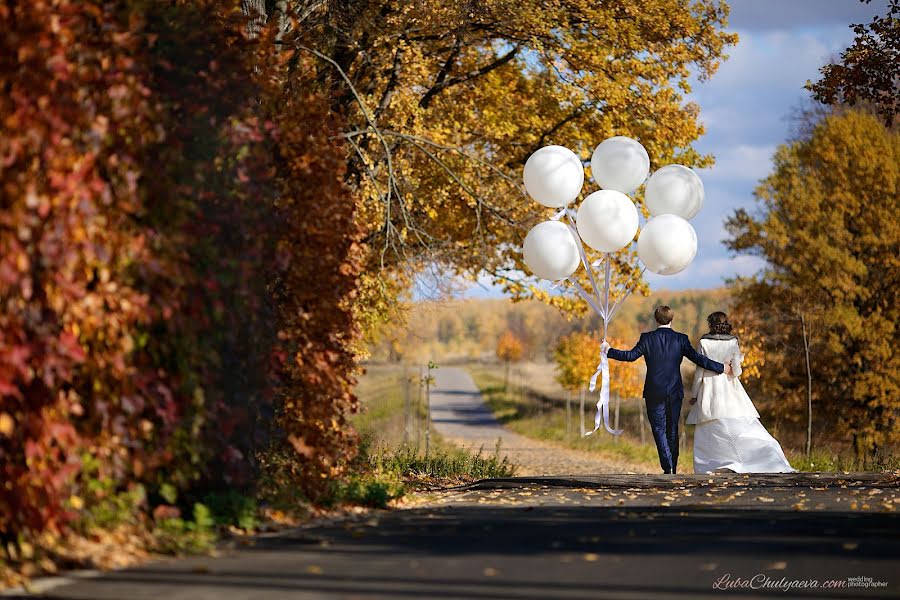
728 434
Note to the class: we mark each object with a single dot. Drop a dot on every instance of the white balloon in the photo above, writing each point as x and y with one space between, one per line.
550 251
667 244
620 163
674 190
553 176
607 220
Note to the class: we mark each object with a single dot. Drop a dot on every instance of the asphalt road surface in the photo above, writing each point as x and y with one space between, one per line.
579 536
633 537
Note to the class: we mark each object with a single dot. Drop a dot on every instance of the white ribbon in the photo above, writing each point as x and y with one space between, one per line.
559 215
602 308
602 415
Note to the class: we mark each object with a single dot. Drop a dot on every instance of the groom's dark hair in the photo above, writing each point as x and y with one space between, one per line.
663 315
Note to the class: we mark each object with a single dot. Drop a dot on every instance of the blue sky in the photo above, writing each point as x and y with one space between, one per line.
746 108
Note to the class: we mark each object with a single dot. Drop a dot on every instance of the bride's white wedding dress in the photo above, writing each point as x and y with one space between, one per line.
729 434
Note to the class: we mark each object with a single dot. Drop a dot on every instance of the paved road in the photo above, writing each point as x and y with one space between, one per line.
575 537
460 415
610 536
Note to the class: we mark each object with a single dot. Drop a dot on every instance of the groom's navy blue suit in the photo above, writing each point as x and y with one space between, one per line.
663 350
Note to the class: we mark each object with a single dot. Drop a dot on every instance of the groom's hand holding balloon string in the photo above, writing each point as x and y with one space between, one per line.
728 370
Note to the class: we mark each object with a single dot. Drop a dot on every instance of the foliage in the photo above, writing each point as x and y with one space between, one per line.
869 70
175 535
577 356
365 490
830 462
444 100
829 233
178 260
471 328
509 347
233 508
442 462
752 351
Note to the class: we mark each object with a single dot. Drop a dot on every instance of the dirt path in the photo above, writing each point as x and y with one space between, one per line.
460 415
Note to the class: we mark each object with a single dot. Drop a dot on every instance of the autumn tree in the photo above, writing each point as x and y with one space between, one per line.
869 70
509 349
577 356
828 231
444 101
178 260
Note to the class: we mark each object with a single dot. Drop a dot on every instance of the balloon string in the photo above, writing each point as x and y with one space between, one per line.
587 297
572 225
627 293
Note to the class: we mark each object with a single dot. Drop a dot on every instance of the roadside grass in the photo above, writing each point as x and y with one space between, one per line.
541 417
392 460
826 459
535 415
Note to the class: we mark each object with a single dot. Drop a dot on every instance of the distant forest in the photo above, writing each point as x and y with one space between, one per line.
469 329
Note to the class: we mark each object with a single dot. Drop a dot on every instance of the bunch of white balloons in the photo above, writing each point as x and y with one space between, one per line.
607 220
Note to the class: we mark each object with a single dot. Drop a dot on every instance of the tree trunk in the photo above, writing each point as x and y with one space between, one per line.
616 419
506 379
428 413
419 409
406 406
256 11
581 411
808 387
641 414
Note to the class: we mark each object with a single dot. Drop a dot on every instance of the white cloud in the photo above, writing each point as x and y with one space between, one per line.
744 162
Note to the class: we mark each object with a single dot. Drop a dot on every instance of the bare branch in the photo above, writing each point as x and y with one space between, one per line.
439 87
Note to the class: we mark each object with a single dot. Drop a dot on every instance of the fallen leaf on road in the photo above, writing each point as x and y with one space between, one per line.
710 566
850 546
765 499
490 572
777 566
314 570
591 557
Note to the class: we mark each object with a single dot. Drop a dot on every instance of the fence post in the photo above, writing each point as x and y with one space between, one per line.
419 410
641 413
428 411
406 403
616 425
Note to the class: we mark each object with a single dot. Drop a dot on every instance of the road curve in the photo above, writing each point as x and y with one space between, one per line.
460 415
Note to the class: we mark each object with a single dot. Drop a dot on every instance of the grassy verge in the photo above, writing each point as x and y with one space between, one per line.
535 415
828 460
392 460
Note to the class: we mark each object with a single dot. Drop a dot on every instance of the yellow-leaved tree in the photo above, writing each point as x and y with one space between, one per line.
827 304
577 356
444 100
509 349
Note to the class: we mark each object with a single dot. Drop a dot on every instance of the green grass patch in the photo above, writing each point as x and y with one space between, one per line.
534 416
829 461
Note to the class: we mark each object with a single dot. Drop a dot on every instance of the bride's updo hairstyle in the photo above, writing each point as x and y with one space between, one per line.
718 323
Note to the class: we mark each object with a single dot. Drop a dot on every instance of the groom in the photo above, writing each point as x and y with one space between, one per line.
663 350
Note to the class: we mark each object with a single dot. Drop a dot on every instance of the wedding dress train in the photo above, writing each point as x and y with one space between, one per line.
741 444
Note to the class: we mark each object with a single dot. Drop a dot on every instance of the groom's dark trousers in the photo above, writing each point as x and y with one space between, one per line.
663 350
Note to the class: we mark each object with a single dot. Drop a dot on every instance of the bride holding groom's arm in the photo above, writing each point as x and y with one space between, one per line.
729 435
